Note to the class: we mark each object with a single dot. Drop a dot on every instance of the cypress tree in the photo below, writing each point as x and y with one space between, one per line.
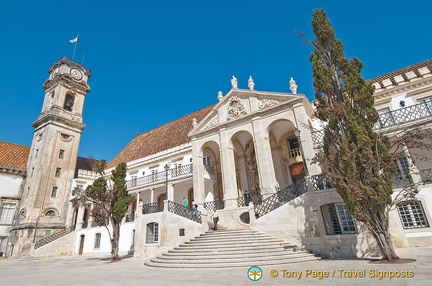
355 158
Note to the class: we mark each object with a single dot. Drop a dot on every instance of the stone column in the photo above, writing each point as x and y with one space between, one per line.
305 138
264 158
198 173
152 196
170 192
80 218
229 180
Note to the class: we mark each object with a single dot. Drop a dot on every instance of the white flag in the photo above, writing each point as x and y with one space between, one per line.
74 40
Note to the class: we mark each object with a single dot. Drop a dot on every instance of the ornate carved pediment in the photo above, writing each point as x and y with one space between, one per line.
266 103
213 122
235 108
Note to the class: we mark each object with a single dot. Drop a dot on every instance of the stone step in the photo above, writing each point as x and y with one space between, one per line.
242 241
224 264
213 252
249 246
232 260
229 255
227 237
228 232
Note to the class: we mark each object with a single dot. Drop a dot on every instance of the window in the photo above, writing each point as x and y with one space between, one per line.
69 102
3 244
337 219
61 154
133 180
402 170
50 213
154 175
412 215
54 192
57 173
152 232
207 160
293 143
97 240
7 213
47 232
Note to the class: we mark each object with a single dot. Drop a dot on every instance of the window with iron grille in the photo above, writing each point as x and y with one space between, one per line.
412 215
337 219
97 240
7 213
152 232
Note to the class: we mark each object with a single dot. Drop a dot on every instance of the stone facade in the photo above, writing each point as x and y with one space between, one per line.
250 155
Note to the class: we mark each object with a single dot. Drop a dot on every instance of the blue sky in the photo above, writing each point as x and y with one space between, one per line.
155 61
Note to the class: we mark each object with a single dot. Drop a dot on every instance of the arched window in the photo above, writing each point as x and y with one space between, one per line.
50 213
69 102
152 235
337 219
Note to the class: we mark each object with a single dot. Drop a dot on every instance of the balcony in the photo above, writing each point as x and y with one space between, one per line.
395 117
159 177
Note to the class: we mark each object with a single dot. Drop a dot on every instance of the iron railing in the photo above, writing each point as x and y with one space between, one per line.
389 118
282 197
405 114
321 182
160 176
219 205
244 201
184 211
426 176
53 237
150 208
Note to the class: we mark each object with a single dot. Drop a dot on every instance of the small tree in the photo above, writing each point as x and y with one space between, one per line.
354 157
110 201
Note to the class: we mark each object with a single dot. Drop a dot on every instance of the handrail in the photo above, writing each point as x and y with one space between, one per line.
160 176
184 211
150 208
282 197
53 237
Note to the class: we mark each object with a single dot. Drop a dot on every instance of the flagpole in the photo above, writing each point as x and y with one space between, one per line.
76 43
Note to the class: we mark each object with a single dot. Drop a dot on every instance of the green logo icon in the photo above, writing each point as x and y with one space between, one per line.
254 273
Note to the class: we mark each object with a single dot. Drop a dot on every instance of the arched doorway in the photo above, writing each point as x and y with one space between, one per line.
161 198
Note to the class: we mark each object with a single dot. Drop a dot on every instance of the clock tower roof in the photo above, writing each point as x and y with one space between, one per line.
71 63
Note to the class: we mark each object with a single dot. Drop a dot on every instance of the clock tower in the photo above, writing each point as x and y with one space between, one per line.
53 154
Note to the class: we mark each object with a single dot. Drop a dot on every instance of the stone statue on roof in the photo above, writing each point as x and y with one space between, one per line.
251 83
234 82
293 86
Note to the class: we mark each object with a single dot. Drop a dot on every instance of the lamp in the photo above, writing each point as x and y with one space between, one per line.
297 134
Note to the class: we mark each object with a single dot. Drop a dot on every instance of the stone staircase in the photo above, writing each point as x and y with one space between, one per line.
53 237
231 248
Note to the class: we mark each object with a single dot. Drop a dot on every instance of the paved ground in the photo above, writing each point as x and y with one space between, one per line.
131 271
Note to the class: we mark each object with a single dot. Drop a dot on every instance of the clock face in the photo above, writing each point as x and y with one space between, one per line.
76 74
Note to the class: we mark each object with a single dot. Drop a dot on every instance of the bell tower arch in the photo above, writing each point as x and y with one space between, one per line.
53 154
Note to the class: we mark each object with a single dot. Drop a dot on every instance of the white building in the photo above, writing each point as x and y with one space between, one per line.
259 142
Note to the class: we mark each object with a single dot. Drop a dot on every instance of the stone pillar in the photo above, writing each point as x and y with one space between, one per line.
198 173
170 192
305 138
80 218
229 180
152 196
264 158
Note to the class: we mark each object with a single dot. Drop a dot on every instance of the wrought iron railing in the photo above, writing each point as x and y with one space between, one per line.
389 118
405 114
184 211
160 176
219 205
130 217
53 237
282 197
426 176
321 182
150 208
244 201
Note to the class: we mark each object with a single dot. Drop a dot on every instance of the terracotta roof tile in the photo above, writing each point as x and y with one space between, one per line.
161 138
403 71
13 155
